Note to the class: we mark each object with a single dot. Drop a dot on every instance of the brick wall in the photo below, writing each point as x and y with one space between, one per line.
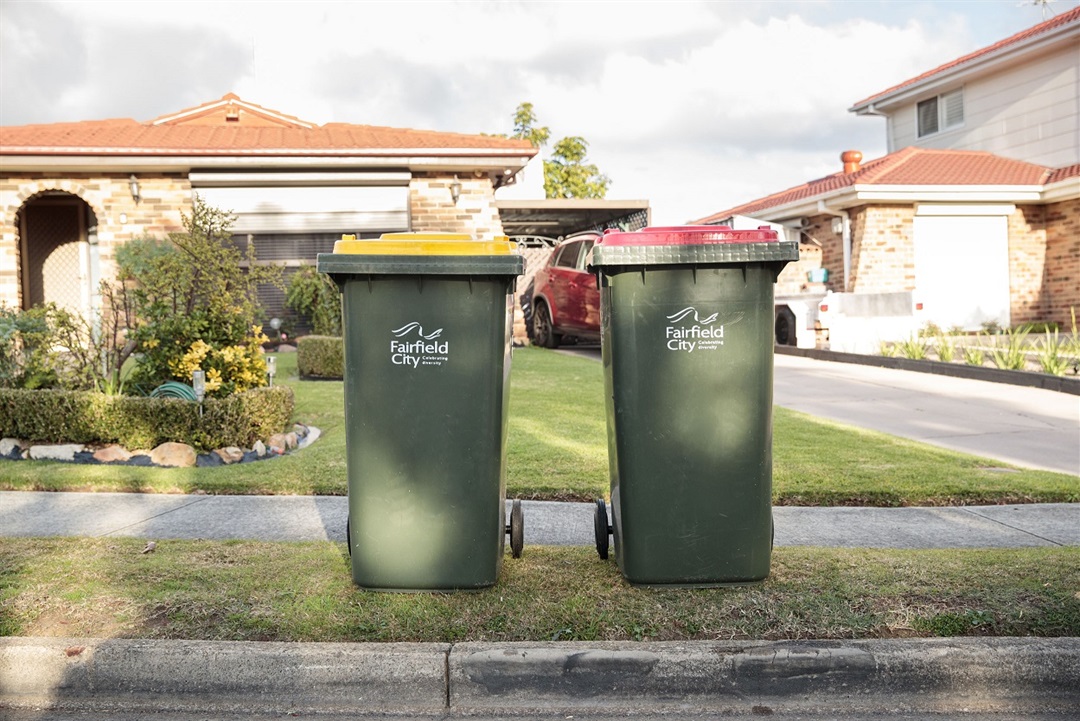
119 218
1062 275
433 209
793 280
165 197
1027 264
883 249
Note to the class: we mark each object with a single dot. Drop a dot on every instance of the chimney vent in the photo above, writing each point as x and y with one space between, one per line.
851 160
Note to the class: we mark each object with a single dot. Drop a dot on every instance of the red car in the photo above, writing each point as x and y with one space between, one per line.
565 300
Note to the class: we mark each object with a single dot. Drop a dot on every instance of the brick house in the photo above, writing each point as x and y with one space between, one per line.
975 211
71 193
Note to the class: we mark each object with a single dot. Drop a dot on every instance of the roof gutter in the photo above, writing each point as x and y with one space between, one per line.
183 163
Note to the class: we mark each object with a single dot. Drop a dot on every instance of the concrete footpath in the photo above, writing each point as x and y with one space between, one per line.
322 518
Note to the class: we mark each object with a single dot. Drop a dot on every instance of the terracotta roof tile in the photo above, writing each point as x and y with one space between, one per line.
1065 18
1069 171
129 137
911 166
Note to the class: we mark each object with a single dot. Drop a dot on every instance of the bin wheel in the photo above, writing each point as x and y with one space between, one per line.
516 529
544 334
602 528
348 537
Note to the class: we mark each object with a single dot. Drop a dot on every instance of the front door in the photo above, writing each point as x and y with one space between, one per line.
55 253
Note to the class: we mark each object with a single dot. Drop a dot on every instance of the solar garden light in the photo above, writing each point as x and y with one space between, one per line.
275 323
198 384
271 368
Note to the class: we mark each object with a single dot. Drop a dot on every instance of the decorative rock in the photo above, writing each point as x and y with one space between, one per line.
300 430
11 448
60 452
291 441
175 455
112 454
312 436
231 454
259 448
277 443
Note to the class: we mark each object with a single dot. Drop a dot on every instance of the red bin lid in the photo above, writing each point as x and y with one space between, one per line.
689 235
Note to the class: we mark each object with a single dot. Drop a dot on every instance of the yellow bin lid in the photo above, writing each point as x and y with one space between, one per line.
424 244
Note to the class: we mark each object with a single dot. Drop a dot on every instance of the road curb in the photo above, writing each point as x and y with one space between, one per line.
1003 675
221 676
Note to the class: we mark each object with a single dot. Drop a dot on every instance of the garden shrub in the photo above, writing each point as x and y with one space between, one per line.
60 416
195 306
47 347
320 356
313 294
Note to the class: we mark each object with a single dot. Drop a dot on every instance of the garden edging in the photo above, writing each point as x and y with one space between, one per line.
1059 384
166 455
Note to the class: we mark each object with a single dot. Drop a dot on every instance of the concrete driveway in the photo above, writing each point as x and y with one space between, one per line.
1027 427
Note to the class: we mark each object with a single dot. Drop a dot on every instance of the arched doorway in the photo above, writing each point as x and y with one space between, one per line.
58 252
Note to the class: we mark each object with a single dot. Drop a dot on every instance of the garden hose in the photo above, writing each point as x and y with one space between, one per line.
174 389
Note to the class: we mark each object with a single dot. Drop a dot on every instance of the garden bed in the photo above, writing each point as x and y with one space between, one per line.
1030 379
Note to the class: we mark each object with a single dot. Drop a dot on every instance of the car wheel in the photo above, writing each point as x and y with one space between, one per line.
544 334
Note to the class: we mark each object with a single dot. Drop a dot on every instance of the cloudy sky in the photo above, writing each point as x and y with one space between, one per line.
694 106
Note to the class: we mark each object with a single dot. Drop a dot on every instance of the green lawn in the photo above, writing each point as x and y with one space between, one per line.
557 449
105 588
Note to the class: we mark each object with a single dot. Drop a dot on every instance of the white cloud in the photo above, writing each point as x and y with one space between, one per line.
695 106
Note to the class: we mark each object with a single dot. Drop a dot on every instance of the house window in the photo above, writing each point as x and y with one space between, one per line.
941 112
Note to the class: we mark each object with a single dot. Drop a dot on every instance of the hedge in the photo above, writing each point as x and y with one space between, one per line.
57 416
320 356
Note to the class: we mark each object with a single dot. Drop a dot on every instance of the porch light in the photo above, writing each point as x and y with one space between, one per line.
455 190
136 193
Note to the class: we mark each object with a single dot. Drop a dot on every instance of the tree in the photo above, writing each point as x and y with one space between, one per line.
524 129
566 175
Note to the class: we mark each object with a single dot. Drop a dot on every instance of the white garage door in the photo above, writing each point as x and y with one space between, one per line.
962 270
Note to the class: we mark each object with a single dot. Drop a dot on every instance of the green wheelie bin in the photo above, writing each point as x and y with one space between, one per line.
687 348
427 329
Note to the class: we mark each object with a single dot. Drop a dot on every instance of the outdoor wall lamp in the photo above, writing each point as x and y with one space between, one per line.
455 190
271 369
136 193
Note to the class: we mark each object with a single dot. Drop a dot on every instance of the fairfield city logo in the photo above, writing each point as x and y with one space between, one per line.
700 334
426 349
